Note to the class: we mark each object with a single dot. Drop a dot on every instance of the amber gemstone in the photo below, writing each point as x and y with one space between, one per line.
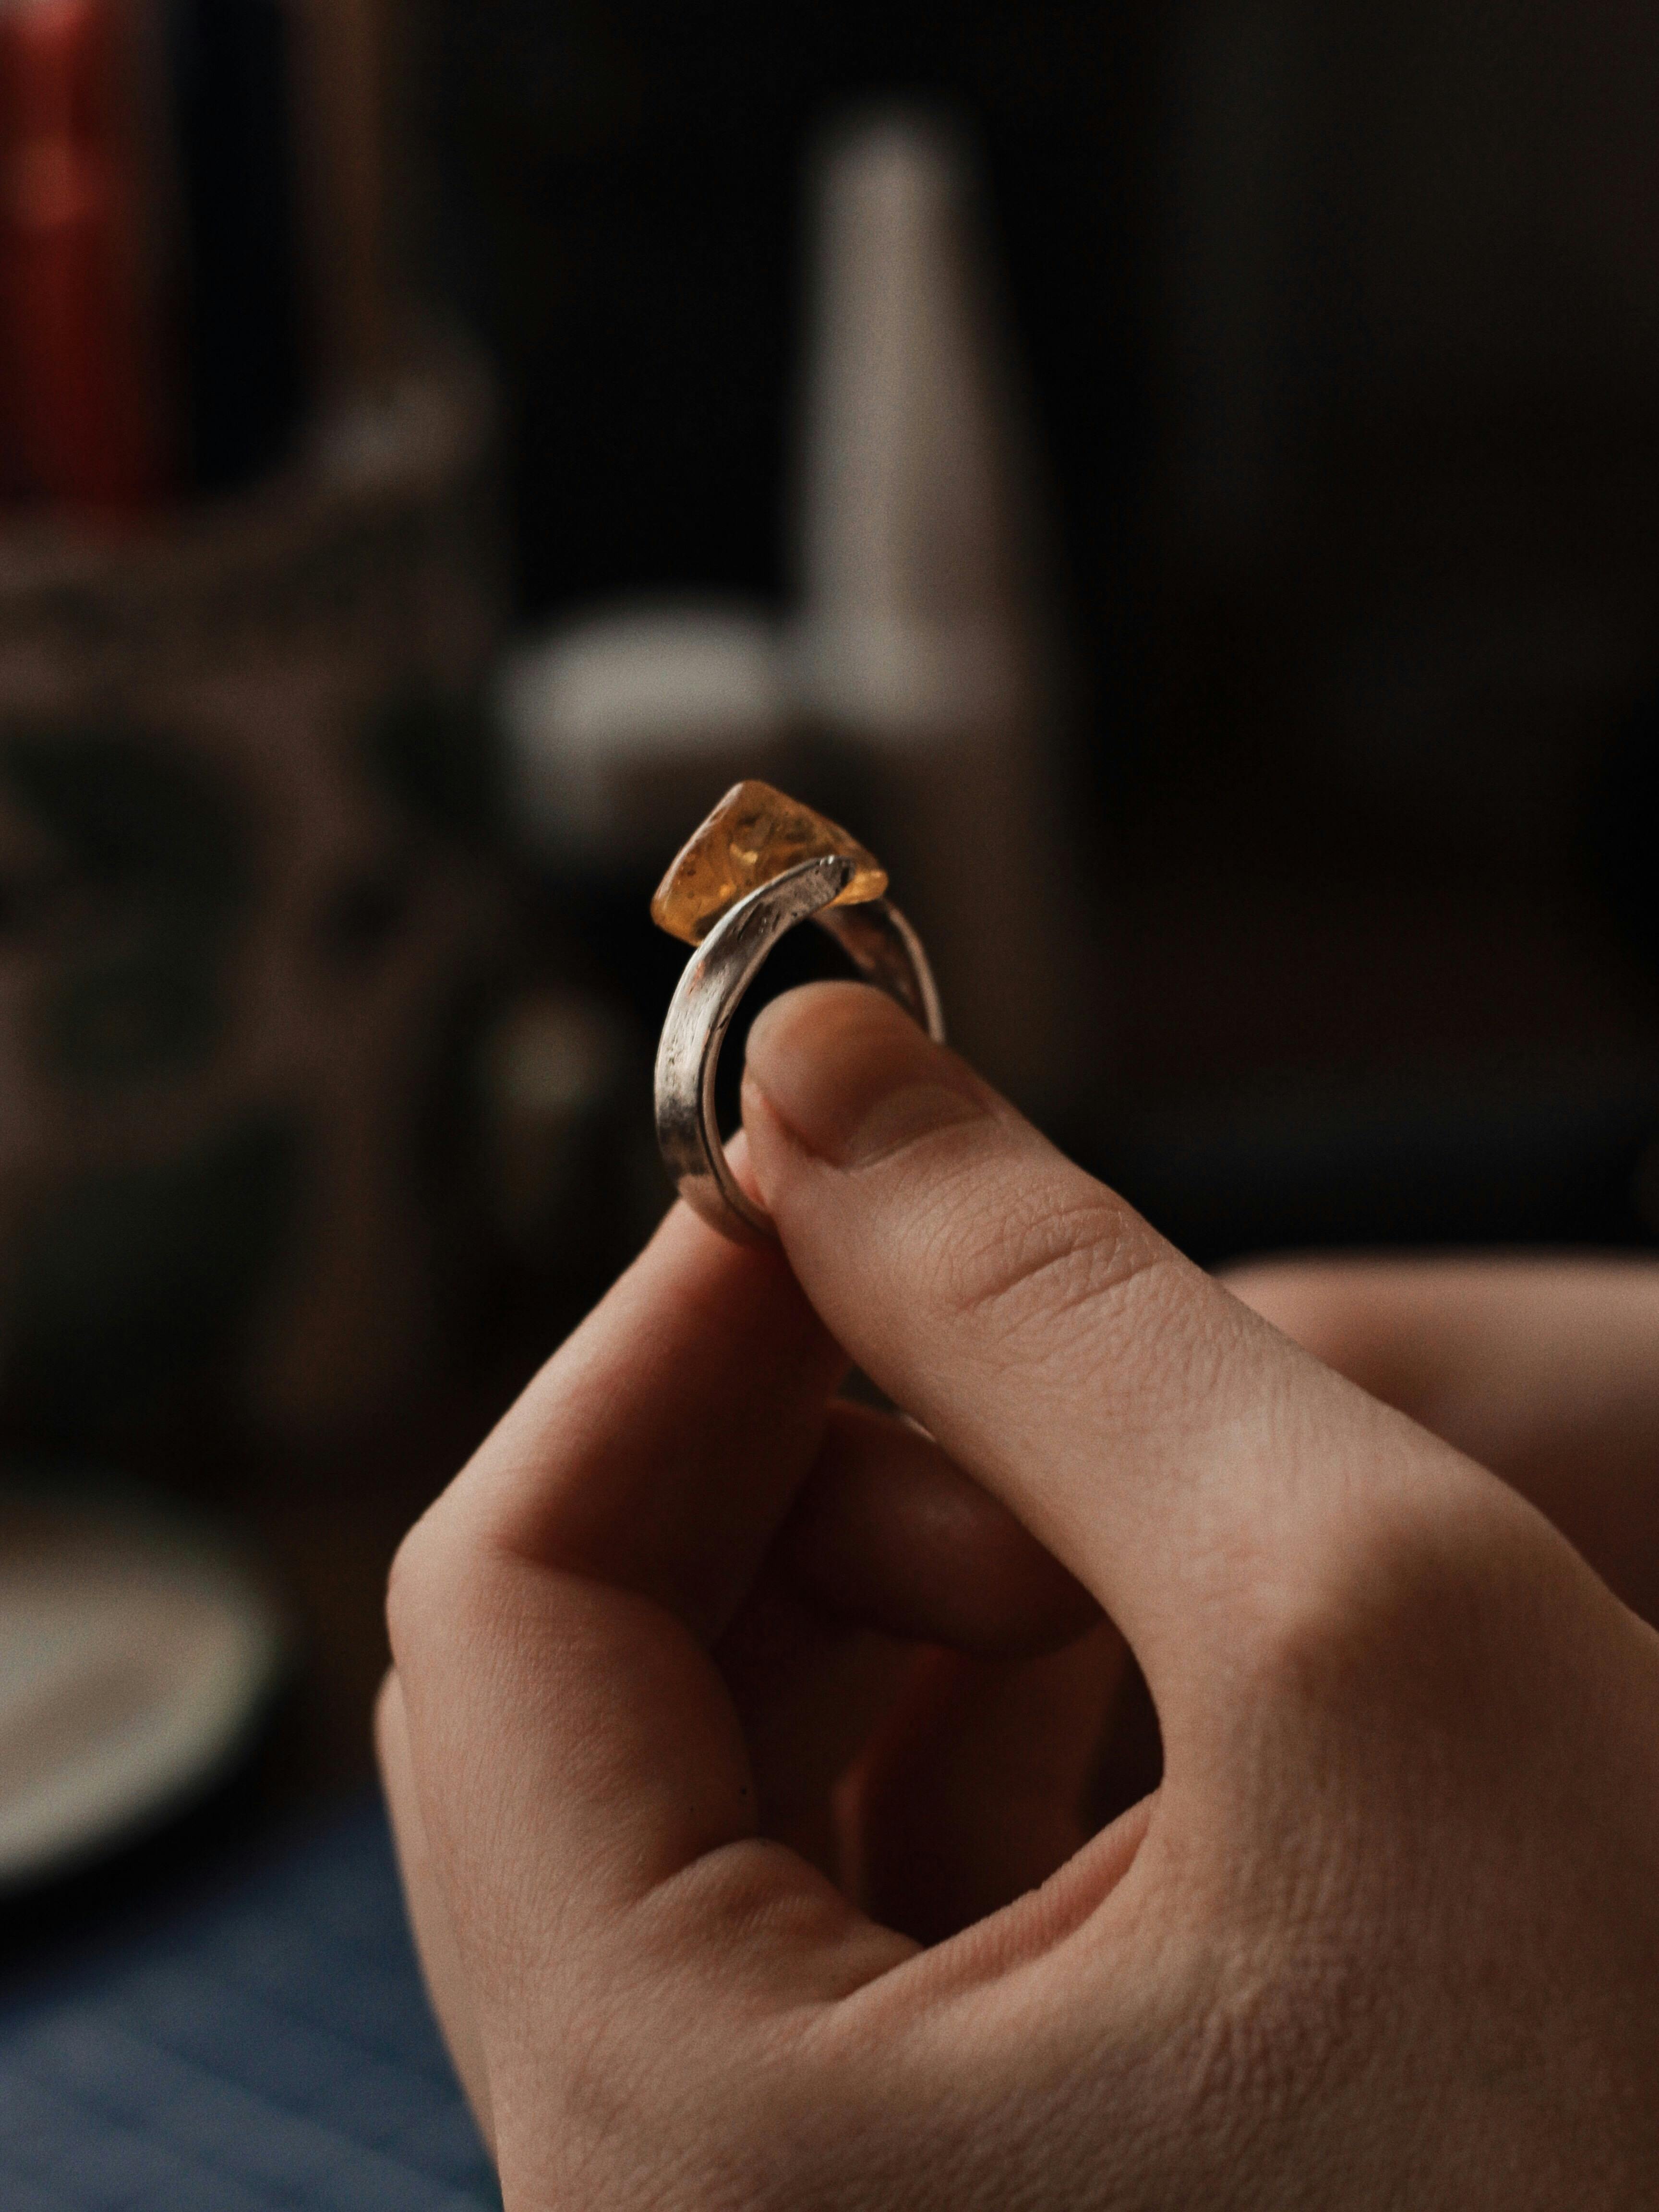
754 834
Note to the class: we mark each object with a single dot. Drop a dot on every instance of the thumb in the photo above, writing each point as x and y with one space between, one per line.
1196 1469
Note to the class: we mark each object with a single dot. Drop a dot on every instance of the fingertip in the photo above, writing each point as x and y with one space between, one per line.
799 1019
845 1073
737 1153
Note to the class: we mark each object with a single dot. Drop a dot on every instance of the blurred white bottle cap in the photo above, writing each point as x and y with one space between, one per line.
625 728
924 645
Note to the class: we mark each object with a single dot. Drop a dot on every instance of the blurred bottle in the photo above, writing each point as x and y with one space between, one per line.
77 259
925 647
366 155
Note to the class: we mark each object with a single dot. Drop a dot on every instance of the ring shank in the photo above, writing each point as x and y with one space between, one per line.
876 938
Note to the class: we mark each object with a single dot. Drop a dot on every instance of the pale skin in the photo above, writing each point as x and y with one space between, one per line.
740 1744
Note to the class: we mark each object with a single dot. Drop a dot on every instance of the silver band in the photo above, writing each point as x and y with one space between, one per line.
876 938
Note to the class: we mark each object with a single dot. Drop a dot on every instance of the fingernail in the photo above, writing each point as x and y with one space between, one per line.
853 1077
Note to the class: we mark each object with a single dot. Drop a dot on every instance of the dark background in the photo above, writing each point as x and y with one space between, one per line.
1342 332
1340 327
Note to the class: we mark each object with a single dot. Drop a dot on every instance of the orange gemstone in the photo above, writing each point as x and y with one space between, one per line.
754 835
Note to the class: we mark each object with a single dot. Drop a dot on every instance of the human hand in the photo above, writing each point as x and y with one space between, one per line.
1542 1369
1387 1934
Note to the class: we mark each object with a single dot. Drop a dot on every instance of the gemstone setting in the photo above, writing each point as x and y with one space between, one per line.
754 835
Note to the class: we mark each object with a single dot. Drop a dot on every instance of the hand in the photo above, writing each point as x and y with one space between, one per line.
1544 1370
670 1780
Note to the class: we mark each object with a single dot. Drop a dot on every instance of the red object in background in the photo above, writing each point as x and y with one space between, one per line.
79 388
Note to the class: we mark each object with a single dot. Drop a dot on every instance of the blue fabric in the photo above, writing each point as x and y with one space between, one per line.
274 2050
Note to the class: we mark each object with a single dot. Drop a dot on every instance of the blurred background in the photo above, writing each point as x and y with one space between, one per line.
1182 483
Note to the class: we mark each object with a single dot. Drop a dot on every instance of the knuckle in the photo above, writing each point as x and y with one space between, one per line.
1430 1611
404 1606
1282 2025
1261 2027
422 1569
1400 1714
1034 1259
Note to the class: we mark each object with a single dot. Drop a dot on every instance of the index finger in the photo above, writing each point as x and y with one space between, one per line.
660 1446
551 1614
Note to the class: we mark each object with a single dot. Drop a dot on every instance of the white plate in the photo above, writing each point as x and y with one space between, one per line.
135 1654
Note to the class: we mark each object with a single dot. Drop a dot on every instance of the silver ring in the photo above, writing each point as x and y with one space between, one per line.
876 938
